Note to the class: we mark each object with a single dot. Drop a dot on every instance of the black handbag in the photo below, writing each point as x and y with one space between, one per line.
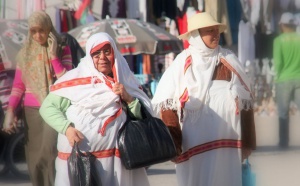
144 142
82 168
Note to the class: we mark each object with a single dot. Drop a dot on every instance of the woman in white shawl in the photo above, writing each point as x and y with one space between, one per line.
85 106
205 100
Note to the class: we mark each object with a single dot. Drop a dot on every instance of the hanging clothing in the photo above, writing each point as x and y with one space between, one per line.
5 88
137 9
147 64
234 17
26 8
182 23
2 9
246 43
67 19
263 43
114 8
164 8
97 9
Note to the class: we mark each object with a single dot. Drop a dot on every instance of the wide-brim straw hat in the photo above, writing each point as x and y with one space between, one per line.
201 20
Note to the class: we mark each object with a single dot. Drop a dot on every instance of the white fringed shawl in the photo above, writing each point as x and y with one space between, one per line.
192 80
99 99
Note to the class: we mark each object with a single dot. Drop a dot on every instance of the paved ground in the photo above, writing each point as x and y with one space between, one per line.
272 166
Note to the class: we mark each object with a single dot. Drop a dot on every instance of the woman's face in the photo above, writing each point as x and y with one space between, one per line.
103 59
210 36
39 34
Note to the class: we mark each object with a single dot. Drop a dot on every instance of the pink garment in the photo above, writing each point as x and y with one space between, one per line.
19 88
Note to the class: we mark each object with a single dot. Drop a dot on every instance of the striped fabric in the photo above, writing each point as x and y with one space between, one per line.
224 143
97 154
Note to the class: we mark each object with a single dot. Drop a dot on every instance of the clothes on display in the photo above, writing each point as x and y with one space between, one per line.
251 24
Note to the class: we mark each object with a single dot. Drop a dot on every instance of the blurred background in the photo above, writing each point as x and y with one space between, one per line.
252 26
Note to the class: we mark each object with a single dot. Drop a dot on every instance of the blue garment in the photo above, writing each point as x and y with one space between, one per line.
248 177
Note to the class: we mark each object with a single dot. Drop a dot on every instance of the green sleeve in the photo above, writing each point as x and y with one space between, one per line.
135 109
53 111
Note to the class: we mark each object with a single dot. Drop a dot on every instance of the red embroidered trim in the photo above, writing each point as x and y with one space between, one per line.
224 143
108 83
74 82
97 154
236 73
188 63
185 95
184 98
110 119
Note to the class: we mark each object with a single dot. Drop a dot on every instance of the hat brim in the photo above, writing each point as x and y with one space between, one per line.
186 35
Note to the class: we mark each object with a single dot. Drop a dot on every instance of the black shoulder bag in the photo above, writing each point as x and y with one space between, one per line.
144 142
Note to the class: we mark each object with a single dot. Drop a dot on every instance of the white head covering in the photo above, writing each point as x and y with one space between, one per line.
121 73
203 66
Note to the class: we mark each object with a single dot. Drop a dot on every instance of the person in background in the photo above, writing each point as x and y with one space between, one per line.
286 58
85 106
204 98
5 88
40 62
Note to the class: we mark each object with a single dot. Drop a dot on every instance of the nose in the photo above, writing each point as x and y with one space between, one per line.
216 32
101 55
38 35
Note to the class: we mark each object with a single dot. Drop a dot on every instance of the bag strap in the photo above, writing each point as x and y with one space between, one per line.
247 163
125 108
78 151
143 110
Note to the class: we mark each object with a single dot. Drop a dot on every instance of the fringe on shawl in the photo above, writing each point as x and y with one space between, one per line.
168 104
245 104
171 104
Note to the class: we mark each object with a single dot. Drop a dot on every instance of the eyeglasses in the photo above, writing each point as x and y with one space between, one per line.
106 52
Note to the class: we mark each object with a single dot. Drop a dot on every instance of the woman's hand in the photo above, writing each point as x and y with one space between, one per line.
10 122
120 90
52 42
74 135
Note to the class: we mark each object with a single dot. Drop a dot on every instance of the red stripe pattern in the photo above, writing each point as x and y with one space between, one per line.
110 119
188 63
185 95
184 98
74 82
97 154
224 143
85 81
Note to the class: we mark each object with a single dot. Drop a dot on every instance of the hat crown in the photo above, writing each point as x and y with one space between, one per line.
287 18
201 20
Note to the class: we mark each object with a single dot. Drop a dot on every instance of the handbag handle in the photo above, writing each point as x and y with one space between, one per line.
78 151
247 162
143 110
